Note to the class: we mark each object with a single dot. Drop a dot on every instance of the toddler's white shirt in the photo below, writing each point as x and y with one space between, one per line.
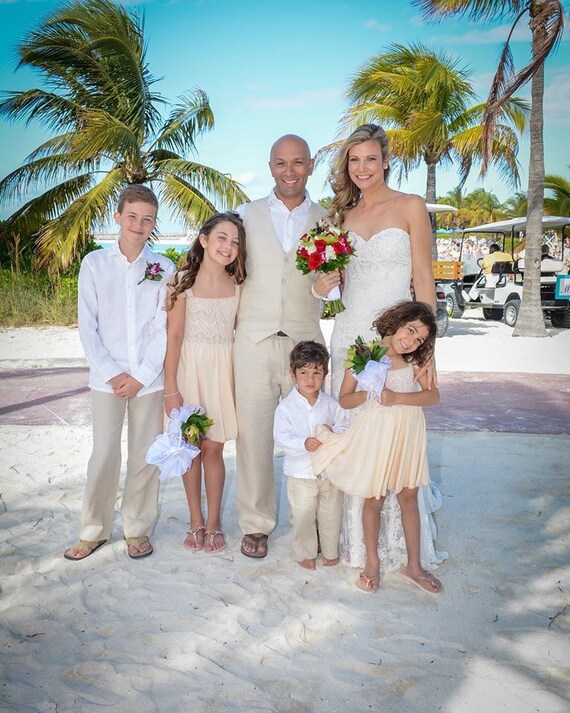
295 421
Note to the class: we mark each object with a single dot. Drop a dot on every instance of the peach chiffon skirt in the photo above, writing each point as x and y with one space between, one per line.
383 449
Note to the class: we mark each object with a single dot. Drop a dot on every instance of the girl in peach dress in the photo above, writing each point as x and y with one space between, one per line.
384 448
198 369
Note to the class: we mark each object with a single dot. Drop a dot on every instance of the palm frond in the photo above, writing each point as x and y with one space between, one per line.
474 9
220 188
54 111
190 118
45 170
47 206
59 241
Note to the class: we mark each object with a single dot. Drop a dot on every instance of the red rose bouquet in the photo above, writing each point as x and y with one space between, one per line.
323 249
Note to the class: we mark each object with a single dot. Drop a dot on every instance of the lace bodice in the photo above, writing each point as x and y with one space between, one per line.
377 276
210 320
400 380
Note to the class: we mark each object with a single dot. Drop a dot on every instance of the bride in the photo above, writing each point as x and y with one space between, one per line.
391 235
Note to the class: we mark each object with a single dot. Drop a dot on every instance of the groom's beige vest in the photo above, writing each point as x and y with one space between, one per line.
275 297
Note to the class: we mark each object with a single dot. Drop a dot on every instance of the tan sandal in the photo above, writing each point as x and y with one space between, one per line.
137 542
192 536
82 546
209 537
368 583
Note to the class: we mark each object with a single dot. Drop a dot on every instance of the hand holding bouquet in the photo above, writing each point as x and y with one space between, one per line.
369 364
325 248
175 449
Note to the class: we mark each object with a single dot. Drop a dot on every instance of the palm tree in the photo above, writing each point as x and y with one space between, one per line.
559 202
546 20
517 205
100 101
426 102
483 207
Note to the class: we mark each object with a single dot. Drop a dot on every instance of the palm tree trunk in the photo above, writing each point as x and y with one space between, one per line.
530 322
431 198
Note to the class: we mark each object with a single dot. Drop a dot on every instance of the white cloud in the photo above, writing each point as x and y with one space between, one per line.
245 178
557 99
494 35
299 100
375 25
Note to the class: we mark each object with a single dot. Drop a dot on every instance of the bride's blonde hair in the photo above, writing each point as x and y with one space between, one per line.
346 194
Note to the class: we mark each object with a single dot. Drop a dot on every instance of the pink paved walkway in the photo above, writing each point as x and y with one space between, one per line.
514 403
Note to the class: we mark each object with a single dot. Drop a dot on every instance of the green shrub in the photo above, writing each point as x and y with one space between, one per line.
29 299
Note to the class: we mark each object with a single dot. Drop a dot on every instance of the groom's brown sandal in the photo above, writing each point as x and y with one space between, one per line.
83 546
258 543
137 542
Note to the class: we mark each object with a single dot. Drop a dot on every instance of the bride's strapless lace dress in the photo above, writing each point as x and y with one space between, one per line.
378 276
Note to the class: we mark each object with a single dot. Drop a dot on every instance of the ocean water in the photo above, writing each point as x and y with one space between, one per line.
157 247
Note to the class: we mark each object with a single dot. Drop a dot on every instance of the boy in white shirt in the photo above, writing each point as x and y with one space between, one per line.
314 502
122 326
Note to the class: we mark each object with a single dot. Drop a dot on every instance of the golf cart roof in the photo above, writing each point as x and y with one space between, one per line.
439 208
516 225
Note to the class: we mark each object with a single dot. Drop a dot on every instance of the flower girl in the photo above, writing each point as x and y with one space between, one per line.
385 446
202 306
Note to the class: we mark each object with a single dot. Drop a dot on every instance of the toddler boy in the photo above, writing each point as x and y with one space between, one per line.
314 502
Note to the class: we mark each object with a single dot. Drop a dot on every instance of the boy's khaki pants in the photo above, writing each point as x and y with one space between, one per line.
140 492
314 503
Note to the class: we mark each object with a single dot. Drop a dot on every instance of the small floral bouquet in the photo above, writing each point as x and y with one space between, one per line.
323 249
369 364
152 272
175 449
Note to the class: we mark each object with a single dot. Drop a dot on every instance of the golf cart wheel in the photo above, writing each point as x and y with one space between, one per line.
442 322
453 309
493 313
511 312
560 320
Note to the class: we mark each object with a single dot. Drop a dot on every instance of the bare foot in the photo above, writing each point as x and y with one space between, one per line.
308 564
422 580
330 563
194 539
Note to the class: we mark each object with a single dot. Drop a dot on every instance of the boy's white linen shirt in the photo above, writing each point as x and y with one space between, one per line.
122 324
295 421
289 225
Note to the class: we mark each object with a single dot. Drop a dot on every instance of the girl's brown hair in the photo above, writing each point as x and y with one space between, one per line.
346 194
400 314
186 276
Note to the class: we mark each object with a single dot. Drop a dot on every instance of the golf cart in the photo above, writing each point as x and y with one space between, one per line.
499 292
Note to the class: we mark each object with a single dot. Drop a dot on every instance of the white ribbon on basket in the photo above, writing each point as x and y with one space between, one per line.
373 377
169 451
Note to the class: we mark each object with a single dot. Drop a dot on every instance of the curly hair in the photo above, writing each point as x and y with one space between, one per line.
309 352
346 194
186 276
388 323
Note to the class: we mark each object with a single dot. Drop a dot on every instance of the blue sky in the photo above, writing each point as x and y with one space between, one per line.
271 68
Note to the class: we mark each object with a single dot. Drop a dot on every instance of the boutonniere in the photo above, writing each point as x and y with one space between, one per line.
153 272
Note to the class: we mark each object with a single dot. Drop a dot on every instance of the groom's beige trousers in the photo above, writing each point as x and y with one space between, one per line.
261 373
140 492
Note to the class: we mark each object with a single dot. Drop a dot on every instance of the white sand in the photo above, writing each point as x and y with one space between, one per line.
184 631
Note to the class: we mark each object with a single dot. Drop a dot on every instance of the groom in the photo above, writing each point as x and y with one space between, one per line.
276 311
